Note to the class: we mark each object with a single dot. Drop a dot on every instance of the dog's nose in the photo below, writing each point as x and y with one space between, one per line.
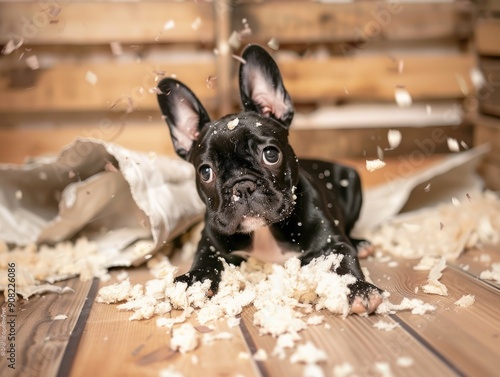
244 188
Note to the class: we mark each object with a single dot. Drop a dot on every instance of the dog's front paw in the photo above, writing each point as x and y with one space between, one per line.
364 297
364 247
201 275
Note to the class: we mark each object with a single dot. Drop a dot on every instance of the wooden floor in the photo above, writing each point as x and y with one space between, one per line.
98 340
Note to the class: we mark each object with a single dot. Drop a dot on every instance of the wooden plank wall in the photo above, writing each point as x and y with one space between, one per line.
487 121
68 67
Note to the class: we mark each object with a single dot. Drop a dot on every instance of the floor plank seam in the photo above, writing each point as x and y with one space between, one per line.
77 332
252 347
427 345
476 278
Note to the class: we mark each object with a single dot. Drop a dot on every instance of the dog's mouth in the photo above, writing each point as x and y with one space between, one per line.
251 223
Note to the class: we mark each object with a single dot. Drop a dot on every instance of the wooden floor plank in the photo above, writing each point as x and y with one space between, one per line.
466 337
114 346
41 340
355 341
478 260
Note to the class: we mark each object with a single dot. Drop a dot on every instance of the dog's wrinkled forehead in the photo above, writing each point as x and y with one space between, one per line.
239 133
245 125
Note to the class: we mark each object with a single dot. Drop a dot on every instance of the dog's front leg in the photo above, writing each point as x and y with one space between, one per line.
207 264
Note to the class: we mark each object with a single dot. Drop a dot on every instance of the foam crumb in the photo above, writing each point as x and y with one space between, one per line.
233 322
384 369
465 301
434 286
60 317
426 263
123 275
405 361
415 306
313 370
244 356
285 341
315 320
308 353
372 165
232 124
492 274
169 372
485 258
386 326
210 338
184 338
343 370
260 355
114 293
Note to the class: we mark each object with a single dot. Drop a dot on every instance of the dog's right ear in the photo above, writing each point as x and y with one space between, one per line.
184 114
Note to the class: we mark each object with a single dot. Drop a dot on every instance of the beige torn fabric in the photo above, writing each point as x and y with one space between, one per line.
125 204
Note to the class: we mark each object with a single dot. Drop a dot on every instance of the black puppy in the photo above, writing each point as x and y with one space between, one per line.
261 200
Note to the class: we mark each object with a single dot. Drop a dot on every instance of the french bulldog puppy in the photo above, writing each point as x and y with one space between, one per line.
261 200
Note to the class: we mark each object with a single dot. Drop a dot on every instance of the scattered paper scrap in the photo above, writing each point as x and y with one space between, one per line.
403 97
273 44
11 46
91 77
169 25
453 145
394 137
32 62
196 23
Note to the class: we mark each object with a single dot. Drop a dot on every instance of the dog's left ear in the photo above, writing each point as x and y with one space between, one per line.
261 86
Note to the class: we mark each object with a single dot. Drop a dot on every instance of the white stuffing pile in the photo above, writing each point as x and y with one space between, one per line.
38 267
282 295
445 230
286 297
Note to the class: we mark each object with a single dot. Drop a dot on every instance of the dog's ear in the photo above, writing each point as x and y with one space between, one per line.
183 112
261 86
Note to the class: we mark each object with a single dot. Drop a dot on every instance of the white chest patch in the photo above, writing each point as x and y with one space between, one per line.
266 249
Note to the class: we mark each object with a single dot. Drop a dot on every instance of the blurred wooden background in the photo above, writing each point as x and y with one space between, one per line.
89 68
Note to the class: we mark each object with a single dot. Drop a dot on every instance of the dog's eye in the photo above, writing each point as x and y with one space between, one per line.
271 155
206 173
